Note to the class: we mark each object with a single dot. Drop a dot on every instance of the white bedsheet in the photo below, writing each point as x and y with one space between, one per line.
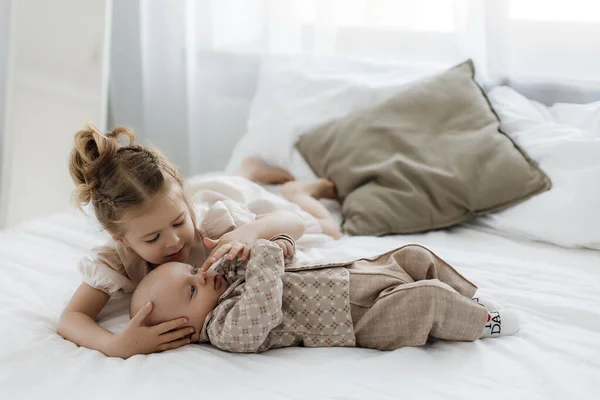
555 356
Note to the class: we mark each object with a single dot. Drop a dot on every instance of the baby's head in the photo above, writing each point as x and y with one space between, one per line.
136 192
179 290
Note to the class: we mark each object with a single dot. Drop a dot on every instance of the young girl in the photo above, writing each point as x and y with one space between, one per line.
138 197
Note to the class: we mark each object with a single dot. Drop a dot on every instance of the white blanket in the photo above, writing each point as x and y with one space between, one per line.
555 356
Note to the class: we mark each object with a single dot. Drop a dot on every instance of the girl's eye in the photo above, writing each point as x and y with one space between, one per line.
195 271
193 290
153 240
177 225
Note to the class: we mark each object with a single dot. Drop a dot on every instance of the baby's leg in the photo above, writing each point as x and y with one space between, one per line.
306 195
408 314
256 170
420 264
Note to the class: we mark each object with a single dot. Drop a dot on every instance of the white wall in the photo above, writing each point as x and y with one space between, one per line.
4 30
57 80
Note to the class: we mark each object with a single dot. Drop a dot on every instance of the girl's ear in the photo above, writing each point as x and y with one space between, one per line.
119 239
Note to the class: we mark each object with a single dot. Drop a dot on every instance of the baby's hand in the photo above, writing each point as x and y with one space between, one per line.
286 246
226 246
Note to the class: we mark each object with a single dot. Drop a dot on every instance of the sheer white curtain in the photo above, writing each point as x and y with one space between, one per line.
4 40
198 62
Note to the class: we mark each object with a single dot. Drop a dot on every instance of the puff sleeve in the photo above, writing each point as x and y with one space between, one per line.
103 269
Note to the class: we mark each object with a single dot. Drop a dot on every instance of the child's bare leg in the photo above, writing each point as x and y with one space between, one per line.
307 194
256 170
304 193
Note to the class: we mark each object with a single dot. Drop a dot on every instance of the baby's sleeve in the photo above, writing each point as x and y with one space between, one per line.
104 270
243 324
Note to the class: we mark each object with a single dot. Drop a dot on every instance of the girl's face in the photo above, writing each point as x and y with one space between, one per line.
164 232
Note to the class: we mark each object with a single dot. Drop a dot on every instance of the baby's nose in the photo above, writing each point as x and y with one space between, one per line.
202 277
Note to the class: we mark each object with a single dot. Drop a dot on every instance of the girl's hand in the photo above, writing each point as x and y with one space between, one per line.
225 247
288 249
137 338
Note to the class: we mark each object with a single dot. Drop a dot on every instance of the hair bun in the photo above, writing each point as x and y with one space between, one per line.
119 132
94 155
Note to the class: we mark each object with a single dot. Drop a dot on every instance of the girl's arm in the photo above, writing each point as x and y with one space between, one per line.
264 227
268 225
77 324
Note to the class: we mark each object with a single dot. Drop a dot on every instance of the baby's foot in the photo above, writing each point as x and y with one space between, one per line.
259 171
501 323
487 303
319 189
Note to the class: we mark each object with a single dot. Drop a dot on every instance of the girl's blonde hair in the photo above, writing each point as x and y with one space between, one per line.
114 177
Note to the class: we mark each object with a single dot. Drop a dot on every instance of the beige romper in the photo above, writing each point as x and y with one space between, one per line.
400 298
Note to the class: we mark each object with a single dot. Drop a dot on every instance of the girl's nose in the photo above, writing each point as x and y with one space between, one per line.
173 240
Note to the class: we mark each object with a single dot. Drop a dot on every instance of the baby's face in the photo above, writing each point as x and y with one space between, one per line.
184 291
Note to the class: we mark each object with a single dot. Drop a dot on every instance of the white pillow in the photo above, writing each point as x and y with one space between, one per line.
565 141
295 94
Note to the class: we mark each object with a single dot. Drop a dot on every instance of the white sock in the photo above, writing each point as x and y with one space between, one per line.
487 303
501 323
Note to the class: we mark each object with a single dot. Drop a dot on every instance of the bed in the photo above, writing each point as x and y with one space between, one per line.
554 288
556 355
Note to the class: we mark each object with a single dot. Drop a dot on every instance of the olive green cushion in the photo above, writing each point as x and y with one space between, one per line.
429 157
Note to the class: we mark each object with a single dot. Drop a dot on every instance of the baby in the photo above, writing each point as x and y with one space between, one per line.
401 298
